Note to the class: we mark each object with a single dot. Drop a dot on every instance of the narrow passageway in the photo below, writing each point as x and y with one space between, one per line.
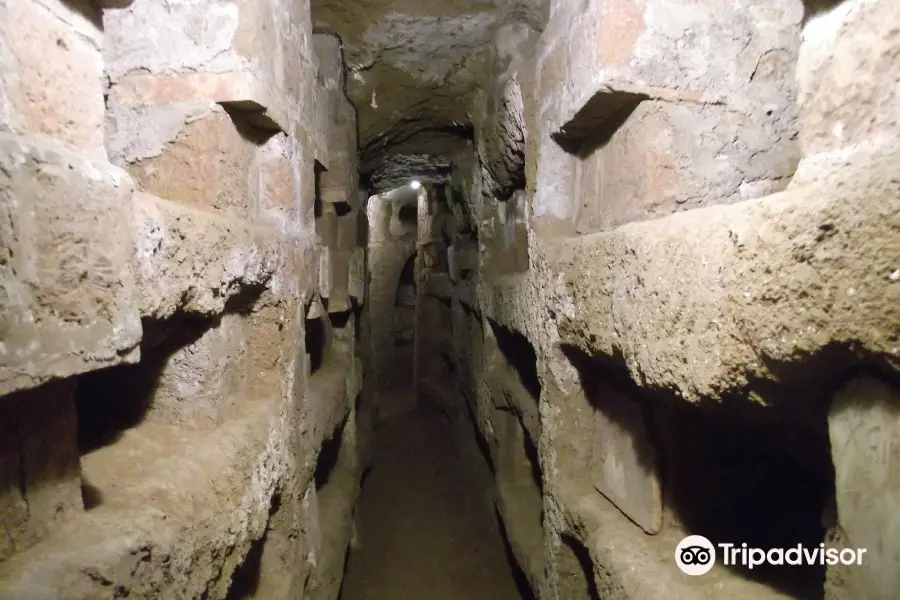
428 529
449 300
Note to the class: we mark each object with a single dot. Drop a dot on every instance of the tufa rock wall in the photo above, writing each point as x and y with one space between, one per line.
178 408
702 335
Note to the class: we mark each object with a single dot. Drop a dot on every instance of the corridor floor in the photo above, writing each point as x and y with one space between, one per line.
428 531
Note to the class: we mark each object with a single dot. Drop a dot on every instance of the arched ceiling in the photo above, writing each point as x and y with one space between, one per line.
412 66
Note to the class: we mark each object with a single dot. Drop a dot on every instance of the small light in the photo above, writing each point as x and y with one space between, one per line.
415 185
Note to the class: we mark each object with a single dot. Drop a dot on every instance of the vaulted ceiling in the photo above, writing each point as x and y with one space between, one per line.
412 66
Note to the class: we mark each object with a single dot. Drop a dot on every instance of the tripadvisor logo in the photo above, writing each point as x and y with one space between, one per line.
696 555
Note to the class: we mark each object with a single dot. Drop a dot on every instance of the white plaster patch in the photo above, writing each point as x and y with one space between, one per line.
838 131
139 133
182 36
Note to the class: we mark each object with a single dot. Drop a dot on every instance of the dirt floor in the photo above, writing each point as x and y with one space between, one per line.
428 529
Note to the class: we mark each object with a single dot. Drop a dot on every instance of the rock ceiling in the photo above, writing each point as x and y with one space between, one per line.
412 66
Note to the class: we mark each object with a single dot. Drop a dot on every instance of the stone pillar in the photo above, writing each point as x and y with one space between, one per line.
425 219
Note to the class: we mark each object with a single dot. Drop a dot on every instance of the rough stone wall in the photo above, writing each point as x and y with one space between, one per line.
670 260
703 335
177 402
677 105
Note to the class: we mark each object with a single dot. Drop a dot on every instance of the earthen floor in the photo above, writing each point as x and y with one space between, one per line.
427 532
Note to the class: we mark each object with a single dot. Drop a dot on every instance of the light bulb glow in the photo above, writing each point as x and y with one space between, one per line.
415 185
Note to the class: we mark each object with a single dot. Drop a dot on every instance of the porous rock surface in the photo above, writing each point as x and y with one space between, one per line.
669 265
646 252
412 68
162 417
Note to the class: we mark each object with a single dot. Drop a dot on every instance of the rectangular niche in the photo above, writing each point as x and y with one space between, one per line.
343 328
189 381
40 478
317 337
634 174
318 205
624 466
755 475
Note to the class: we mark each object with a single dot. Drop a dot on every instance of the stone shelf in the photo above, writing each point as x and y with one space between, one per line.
155 488
776 278
193 260
644 564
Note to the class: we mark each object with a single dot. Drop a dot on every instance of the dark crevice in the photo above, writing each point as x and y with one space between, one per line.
92 11
815 7
534 460
341 208
520 354
245 581
347 552
91 496
480 440
318 208
448 360
339 320
826 367
245 299
328 457
598 120
406 284
364 476
250 121
357 319
408 215
731 481
316 343
516 183
575 570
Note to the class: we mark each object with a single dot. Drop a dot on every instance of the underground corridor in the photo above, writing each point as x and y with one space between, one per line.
419 300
